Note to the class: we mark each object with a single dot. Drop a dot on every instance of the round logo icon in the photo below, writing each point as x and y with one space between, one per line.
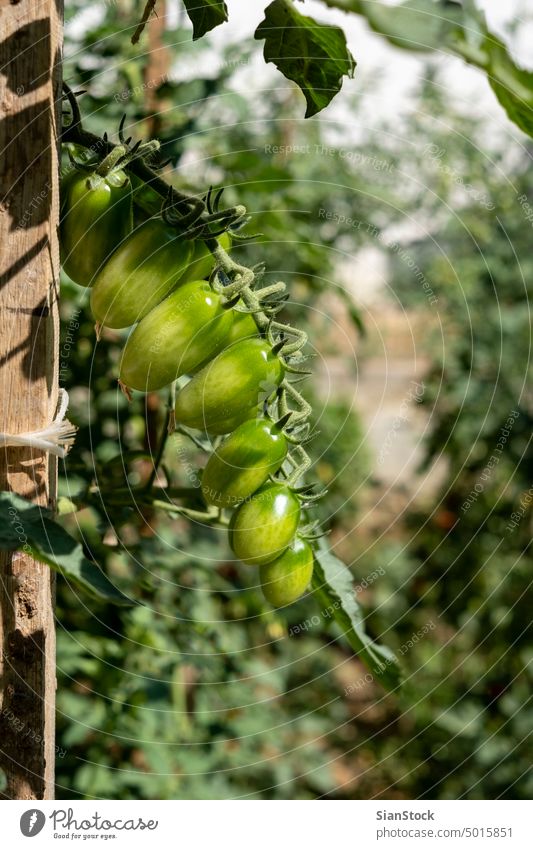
32 822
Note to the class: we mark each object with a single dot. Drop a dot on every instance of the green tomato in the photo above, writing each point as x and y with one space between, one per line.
145 197
243 462
243 327
286 579
175 337
261 529
202 260
96 216
148 265
229 389
228 424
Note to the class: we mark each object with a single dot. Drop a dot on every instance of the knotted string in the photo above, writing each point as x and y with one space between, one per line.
57 438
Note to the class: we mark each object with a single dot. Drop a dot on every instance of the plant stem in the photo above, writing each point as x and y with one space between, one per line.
160 451
199 515
148 9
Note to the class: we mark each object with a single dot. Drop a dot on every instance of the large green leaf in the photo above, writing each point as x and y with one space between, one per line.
333 587
512 85
25 524
430 25
205 15
419 25
313 55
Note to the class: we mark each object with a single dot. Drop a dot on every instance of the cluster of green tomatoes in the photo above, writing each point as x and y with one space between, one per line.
151 278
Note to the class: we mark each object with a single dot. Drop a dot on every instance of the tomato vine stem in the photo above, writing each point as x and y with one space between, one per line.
243 280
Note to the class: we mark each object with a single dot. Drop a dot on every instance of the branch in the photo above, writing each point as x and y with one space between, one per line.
148 9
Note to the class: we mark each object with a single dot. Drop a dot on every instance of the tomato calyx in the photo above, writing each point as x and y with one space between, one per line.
214 224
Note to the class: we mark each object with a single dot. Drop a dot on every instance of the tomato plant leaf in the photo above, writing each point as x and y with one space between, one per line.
514 90
205 15
512 85
425 25
25 524
419 25
333 587
313 55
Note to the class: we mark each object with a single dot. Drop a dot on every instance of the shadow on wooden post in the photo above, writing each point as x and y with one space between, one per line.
30 110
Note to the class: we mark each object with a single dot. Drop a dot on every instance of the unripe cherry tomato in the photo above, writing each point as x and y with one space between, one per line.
261 529
175 337
229 389
96 216
148 265
285 579
243 462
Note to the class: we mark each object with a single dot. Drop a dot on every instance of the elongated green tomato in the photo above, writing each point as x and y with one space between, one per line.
229 389
261 529
202 261
229 423
243 463
96 216
287 577
144 196
243 327
174 338
143 270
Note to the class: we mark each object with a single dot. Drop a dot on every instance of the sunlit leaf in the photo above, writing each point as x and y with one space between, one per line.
205 15
333 587
313 55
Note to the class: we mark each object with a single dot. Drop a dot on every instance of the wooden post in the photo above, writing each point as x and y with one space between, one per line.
30 110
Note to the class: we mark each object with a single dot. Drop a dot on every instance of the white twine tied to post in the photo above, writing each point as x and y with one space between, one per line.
57 438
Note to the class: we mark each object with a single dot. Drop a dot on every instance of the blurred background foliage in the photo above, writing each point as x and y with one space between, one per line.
203 691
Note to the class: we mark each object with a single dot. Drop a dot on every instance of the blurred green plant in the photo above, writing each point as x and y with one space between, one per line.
211 693
467 694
